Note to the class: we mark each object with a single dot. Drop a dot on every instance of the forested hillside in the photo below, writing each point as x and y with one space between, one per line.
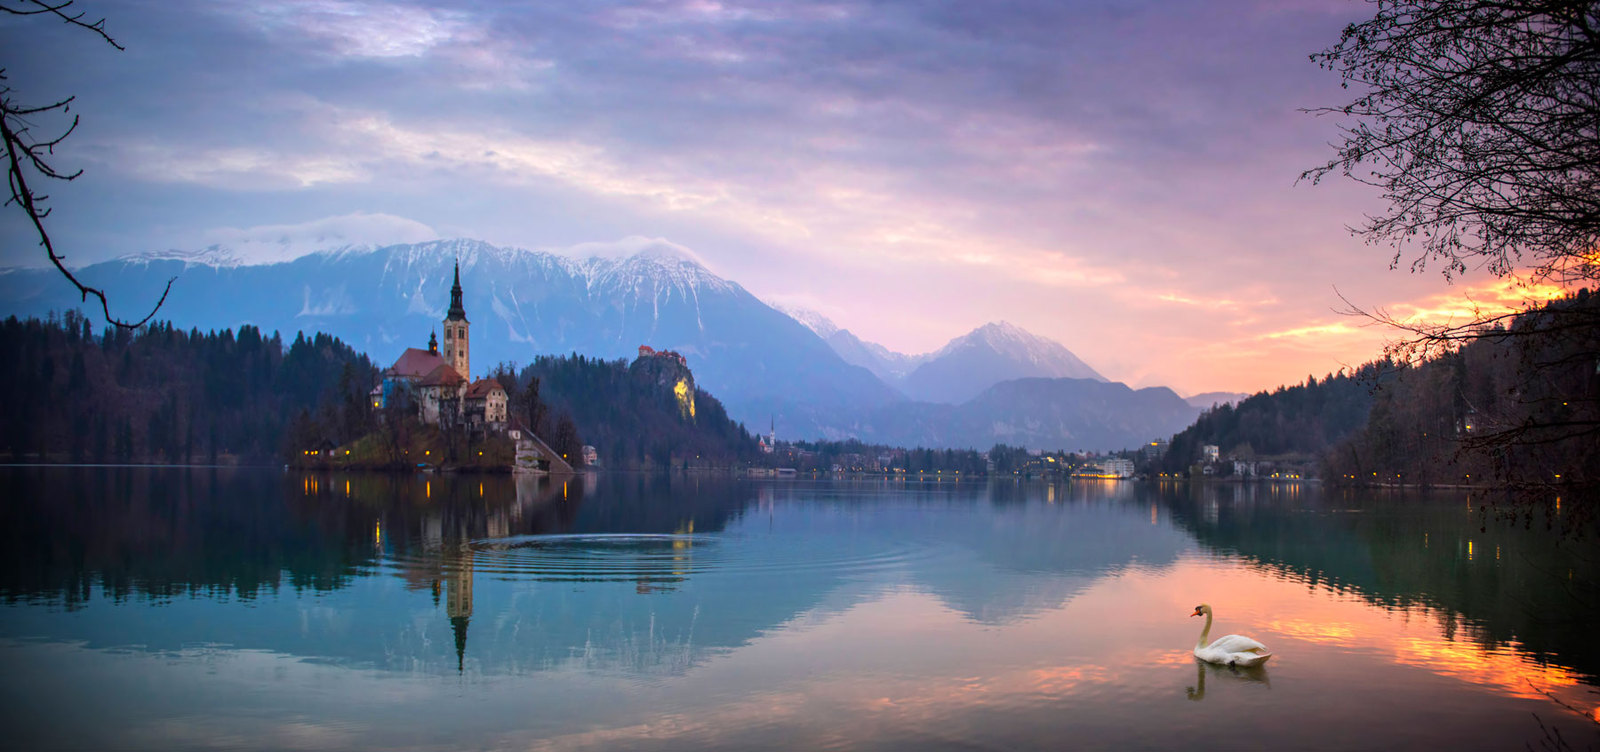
1517 405
161 394
633 414
1304 419
1514 404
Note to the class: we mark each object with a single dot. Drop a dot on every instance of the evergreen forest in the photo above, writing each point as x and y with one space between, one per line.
162 394
631 413
1515 403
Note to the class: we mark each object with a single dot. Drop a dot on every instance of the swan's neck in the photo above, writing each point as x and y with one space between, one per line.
1204 633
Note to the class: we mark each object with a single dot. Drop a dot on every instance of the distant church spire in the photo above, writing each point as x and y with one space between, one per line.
457 312
433 342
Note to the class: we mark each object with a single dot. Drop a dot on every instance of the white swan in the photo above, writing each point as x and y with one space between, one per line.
1230 650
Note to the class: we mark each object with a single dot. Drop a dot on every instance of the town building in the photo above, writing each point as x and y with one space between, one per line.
1116 467
646 351
484 405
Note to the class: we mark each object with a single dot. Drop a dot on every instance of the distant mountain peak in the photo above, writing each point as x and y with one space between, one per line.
997 351
1009 339
816 322
663 252
1207 399
216 255
655 266
998 332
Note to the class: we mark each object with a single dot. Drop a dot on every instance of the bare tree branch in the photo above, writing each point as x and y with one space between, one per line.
36 7
25 152
1479 121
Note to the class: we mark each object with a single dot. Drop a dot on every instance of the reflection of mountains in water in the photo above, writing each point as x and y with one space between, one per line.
794 554
633 574
1511 584
1000 559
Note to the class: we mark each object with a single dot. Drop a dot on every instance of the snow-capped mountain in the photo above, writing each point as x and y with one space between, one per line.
889 366
886 364
759 362
816 322
763 364
986 356
992 353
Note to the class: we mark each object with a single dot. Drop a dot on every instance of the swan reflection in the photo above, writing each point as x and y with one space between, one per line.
1243 674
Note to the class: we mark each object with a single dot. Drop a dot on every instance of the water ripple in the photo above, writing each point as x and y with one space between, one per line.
632 556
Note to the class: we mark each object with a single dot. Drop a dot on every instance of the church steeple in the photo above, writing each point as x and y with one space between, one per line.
456 350
456 313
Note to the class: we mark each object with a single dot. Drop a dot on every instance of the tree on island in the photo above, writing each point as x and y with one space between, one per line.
534 408
567 443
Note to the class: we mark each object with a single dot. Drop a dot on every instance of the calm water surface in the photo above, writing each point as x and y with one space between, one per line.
201 609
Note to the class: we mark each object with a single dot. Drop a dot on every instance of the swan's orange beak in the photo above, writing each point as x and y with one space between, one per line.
1196 613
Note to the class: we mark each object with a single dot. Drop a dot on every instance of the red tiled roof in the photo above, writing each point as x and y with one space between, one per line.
482 388
442 376
414 363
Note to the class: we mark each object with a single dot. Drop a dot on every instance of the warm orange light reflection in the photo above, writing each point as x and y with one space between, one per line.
1324 632
1503 668
1102 639
1325 617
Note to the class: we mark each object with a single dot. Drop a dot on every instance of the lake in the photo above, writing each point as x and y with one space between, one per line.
169 608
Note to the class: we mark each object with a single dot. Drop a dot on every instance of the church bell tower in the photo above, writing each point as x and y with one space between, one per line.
456 351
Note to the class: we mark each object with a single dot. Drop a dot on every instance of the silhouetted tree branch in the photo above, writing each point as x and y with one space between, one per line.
1479 120
27 154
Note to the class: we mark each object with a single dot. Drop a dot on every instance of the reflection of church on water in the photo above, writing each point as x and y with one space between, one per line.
448 532
428 524
458 600
453 576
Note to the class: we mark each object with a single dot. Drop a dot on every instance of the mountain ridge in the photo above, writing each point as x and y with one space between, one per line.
995 352
521 303
764 364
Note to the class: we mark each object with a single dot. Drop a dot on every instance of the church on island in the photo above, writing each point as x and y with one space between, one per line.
437 382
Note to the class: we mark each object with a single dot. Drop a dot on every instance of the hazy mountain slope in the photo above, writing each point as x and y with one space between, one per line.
961 369
986 356
889 366
1038 413
886 364
1207 399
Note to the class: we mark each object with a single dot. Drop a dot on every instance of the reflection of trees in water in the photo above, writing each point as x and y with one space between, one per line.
162 532
158 532
1401 550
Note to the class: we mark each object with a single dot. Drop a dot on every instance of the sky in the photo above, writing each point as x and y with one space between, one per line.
1119 176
